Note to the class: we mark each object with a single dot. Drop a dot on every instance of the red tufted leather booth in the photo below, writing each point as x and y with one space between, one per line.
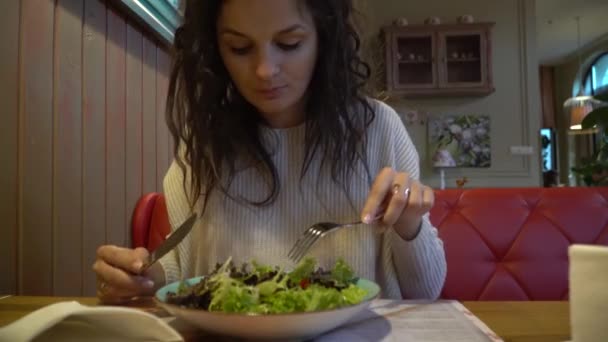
512 244
501 244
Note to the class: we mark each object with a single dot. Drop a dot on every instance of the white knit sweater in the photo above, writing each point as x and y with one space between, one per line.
403 269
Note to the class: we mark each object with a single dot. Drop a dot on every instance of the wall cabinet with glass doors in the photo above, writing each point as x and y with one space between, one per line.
439 60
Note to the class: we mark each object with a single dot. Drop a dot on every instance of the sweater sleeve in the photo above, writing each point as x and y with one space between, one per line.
177 264
420 264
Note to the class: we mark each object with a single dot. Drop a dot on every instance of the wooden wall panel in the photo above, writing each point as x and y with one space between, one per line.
78 138
149 116
67 149
162 142
9 156
170 144
94 138
115 128
134 121
36 147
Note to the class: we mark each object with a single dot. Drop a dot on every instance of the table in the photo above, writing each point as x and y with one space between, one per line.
533 321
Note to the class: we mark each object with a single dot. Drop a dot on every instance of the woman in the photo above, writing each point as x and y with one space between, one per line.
275 134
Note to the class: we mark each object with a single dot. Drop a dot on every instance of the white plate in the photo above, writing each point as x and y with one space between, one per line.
274 326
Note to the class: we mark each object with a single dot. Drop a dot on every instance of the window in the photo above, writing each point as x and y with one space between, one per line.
596 80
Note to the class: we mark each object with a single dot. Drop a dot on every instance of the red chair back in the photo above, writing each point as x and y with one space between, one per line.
150 222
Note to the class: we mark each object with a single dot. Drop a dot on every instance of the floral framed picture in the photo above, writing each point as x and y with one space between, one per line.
460 141
163 17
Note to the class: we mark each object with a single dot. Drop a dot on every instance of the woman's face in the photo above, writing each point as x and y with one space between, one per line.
269 47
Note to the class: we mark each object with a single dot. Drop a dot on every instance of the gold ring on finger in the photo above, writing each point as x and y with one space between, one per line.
102 287
396 188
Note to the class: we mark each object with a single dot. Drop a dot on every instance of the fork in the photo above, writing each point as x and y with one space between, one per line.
317 231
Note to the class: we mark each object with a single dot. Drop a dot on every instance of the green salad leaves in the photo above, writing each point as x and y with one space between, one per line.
261 289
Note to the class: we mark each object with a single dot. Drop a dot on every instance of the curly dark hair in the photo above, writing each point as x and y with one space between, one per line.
215 125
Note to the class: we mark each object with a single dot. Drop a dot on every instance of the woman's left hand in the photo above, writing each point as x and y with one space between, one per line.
405 200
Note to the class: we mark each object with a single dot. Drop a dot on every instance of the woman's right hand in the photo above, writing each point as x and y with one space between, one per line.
119 276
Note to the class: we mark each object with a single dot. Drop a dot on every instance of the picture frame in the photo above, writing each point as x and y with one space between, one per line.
163 17
460 140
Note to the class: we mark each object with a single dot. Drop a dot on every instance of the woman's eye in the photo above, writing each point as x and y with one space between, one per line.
288 47
240 50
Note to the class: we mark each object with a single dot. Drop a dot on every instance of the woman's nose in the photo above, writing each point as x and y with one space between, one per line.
267 66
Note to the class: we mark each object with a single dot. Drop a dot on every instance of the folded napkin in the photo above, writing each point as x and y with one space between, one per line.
72 321
588 283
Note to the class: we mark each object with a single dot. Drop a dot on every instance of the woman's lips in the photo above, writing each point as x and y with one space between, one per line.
271 93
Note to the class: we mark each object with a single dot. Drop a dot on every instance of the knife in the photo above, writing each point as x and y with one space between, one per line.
171 242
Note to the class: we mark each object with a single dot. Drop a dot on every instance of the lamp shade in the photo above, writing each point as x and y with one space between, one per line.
577 114
577 108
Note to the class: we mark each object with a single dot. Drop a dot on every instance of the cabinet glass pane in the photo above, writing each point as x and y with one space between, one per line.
463 58
415 56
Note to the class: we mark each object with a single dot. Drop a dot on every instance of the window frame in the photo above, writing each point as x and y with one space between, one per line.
163 17
588 88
